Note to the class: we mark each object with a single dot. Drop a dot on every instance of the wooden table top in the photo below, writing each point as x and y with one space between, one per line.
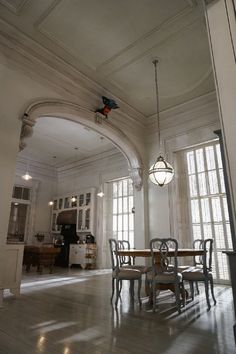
182 252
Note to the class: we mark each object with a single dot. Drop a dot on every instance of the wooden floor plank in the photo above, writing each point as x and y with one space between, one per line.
69 312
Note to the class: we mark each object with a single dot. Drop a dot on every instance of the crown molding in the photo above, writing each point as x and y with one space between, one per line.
37 61
185 112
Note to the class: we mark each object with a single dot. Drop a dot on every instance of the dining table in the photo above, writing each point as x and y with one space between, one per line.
146 253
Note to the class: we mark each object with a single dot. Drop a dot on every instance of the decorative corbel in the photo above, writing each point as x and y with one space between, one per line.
26 130
136 174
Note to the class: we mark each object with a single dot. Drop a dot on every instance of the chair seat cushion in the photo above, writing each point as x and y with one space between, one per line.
127 274
164 277
143 269
195 273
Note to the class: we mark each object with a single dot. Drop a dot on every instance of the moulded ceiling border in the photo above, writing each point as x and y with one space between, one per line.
78 114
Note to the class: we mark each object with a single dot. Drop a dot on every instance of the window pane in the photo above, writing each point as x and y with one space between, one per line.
125 187
119 188
115 206
210 157
130 186
222 182
196 232
125 205
223 268
115 192
125 236
190 162
125 222
120 235
202 183
17 193
131 239
226 212
131 204
193 186
219 236
114 223
26 194
207 230
120 224
120 209
200 160
216 209
195 211
205 210
218 153
131 221
213 182
229 237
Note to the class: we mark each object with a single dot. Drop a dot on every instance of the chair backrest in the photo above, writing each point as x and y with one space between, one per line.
207 257
124 245
198 245
205 260
113 251
161 262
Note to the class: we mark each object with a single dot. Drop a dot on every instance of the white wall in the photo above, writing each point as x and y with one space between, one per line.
186 125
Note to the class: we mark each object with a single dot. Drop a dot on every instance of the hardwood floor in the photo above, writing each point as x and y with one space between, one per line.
69 312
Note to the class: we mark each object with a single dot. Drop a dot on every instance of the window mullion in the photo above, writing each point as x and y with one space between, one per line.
198 196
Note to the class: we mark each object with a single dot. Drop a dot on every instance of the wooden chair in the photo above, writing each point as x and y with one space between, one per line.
126 261
202 270
162 271
119 274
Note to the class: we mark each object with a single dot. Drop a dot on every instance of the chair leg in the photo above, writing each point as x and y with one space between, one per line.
117 291
207 294
113 288
197 288
153 296
177 297
212 291
132 289
139 290
191 289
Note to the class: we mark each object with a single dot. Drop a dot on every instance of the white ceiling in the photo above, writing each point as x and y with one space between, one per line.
113 43
57 142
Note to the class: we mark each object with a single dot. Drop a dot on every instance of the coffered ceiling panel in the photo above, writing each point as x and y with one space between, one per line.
98 31
183 70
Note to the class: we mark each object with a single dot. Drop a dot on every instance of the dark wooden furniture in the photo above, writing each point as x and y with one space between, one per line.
40 256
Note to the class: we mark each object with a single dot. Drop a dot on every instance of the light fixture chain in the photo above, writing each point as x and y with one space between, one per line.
155 62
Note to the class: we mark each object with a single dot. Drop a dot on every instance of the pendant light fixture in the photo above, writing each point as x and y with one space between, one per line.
161 173
51 203
74 198
27 176
100 192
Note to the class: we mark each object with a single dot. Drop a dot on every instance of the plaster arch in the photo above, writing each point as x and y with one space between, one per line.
85 117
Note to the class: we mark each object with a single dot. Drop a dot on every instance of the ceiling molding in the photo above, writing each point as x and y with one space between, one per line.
183 114
38 61
16 9
152 39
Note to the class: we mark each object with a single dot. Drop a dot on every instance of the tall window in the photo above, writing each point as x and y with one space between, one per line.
19 213
122 206
209 210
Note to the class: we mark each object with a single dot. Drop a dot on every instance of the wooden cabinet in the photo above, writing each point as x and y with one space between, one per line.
83 254
84 204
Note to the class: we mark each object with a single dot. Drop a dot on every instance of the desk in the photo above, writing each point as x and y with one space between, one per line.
182 252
